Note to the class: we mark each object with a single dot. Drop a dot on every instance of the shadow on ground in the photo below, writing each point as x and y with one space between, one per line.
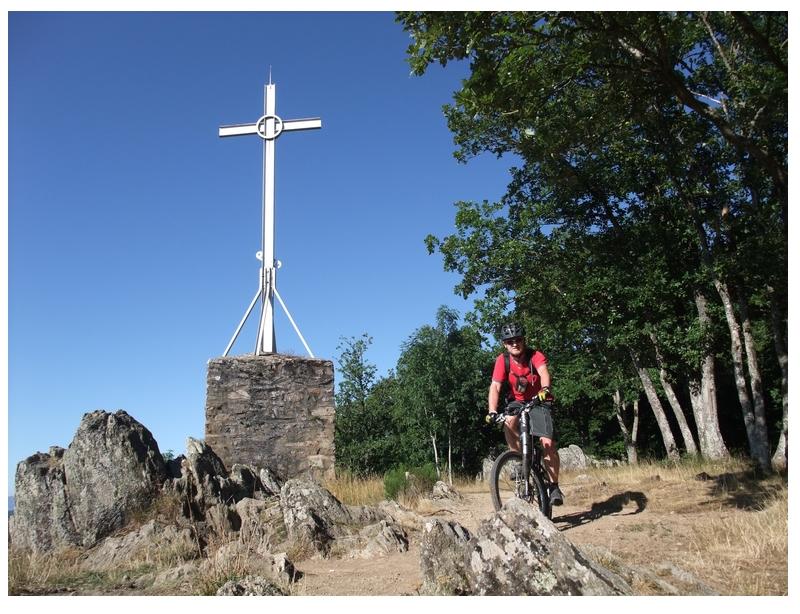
612 505
745 490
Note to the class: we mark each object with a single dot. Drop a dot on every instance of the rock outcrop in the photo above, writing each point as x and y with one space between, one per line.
443 559
442 490
317 519
154 542
74 497
515 551
572 458
205 521
42 520
250 586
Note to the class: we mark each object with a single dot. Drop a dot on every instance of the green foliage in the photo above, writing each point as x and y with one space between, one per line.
409 482
653 167
436 398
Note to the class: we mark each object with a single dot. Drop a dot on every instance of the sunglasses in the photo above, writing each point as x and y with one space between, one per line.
514 341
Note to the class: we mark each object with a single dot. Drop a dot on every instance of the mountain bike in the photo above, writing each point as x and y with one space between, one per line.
522 474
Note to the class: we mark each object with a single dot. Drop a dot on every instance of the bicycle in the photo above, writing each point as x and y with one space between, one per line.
522 474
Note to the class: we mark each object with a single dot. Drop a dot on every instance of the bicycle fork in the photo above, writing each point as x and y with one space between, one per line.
527 452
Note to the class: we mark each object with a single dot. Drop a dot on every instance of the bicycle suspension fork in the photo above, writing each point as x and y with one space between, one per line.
526 446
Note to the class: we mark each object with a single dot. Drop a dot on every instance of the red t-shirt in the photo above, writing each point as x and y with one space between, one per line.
522 371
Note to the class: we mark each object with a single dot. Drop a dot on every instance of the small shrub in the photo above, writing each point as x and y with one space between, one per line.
409 483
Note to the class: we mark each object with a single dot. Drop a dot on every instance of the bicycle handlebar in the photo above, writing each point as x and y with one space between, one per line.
515 410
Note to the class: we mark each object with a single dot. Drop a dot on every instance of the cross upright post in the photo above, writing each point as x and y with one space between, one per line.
269 127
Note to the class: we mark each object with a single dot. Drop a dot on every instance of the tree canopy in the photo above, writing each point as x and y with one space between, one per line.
642 238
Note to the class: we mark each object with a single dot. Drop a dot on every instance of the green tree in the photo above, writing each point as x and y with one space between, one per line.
653 148
443 374
359 438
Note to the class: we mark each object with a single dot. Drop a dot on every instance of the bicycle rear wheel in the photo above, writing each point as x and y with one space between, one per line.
505 482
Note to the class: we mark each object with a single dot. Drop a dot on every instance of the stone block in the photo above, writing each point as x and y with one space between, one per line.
273 411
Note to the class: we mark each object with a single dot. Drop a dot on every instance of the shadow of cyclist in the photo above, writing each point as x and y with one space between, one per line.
612 505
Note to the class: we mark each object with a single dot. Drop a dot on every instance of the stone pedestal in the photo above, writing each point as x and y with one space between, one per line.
272 411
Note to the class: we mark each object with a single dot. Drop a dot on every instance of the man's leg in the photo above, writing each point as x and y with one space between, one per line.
551 460
511 431
552 463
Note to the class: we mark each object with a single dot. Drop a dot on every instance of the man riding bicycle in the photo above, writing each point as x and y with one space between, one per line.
527 376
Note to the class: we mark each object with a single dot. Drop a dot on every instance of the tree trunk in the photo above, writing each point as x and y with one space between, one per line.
703 396
780 459
759 447
633 454
658 409
435 455
686 432
759 406
449 458
629 435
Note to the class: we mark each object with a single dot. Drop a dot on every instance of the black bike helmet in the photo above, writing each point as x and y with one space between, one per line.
511 330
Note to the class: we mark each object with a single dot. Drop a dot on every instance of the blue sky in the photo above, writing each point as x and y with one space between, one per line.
133 228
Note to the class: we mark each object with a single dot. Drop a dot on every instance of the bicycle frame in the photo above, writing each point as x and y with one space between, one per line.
530 468
531 453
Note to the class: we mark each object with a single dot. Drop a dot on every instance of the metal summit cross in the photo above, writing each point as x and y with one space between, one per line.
269 127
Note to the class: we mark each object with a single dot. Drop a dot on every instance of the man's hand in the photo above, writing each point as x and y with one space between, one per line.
489 418
545 395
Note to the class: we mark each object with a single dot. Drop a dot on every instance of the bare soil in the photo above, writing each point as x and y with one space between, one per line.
647 523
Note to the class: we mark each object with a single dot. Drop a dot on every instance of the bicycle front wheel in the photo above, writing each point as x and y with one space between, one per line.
505 482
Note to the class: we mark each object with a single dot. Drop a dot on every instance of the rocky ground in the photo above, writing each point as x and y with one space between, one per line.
650 525
107 516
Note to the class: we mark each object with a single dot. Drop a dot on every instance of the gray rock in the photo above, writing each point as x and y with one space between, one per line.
443 558
572 458
271 482
312 514
42 520
222 519
245 479
371 541
518 551
314 517
401 516
261 522
237 556
204 480
111 470
442 490
176 575
249 586
681 582
153 542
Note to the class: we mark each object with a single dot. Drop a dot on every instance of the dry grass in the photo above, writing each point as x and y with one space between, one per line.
353 490
747 549
31 573
720 521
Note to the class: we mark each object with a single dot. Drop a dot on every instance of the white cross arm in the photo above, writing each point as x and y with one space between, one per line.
311 123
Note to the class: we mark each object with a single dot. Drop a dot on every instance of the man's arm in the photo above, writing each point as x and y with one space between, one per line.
544 375
494 396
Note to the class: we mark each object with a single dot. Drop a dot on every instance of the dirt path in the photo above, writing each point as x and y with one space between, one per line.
399 574
646 524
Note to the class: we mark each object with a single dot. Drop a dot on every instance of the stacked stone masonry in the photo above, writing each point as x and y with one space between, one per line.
273 411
